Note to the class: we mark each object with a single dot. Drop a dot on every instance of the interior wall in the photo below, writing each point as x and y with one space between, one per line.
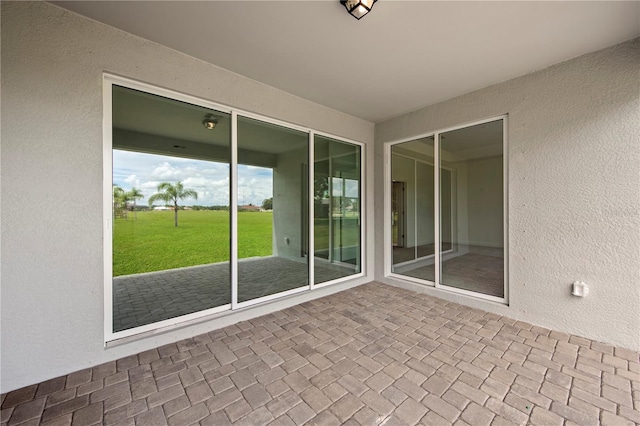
484 183
574 197
52 184
287 205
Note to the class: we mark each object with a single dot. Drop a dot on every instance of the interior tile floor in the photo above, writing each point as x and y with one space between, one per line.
371 355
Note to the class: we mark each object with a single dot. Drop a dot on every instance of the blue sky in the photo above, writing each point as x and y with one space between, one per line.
209 179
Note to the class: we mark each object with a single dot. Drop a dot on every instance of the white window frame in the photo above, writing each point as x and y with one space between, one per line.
388 249
110 337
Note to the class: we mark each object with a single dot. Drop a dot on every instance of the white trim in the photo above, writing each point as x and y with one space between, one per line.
161 91
505 203
387 228
412 279
437 211
270 297
170 323
362 194
388 253
311 239
107 206
111 338
233 203
339 280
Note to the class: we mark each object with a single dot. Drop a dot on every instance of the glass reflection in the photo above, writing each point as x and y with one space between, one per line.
474 259
336 209
272 224
170 209
412 201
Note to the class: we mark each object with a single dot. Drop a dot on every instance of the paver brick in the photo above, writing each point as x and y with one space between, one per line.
190 415
301 413
176 405
494 388
282 403
477 415
165 395
506 411
346 407
572 414
377 403
618 396
216 419
65 407
443 408
371 354
237 409
410 411
153 417
89 415
256 395
542 417
27 411
316 399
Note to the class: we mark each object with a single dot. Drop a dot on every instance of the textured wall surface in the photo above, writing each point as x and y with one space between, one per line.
52 238
574 191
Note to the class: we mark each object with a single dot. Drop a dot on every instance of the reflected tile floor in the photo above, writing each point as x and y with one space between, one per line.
151 297
370 355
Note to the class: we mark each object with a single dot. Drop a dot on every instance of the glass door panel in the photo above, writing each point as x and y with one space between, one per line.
272 175
170 208
412 176
471 175
337 250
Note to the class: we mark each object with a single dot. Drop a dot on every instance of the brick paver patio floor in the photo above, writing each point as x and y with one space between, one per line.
370 355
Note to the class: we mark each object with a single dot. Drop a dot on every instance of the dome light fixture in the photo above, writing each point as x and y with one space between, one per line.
209 122
358 8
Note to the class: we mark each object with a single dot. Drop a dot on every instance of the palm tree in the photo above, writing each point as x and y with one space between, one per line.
120 199
169 192
134 194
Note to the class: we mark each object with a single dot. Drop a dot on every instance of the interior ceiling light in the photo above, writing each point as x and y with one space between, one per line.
358 8
209 122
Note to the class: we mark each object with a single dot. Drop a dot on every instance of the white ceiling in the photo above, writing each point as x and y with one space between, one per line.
403 56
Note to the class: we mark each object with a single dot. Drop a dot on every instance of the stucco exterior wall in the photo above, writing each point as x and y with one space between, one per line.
52 156
574 191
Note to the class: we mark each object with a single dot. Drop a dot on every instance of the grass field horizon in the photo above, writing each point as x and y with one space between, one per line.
152 243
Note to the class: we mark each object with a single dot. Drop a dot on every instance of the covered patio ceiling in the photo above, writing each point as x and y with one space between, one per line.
402 56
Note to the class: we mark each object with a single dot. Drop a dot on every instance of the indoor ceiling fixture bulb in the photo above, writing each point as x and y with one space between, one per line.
358 8
209 122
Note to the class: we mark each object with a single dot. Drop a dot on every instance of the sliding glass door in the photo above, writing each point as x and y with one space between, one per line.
446 201
211 209
170 211
336 209
476 260
272 252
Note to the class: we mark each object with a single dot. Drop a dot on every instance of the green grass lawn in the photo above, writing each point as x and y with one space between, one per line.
152 243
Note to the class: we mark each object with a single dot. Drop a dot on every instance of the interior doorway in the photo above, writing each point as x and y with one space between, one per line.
398 213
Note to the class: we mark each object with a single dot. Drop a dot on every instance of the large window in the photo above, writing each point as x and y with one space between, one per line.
446 208
211 209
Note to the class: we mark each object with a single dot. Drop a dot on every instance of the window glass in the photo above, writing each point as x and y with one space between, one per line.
170 208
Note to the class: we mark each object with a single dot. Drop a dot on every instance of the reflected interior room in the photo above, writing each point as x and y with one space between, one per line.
470 209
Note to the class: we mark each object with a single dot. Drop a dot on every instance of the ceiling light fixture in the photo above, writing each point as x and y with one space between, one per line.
358 8
209 122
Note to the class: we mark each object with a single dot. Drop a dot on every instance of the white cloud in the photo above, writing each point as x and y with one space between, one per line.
209 179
